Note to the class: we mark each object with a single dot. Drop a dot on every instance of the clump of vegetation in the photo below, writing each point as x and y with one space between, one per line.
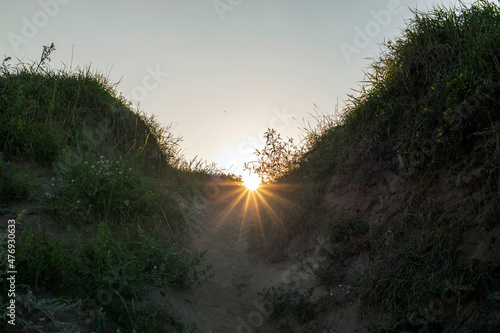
109 272
428 113
117 192
114 186
293 304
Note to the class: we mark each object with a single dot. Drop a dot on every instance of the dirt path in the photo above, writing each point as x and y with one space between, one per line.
228 302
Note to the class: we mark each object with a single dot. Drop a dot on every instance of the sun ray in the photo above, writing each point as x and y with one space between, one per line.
255 208
270 210
225 213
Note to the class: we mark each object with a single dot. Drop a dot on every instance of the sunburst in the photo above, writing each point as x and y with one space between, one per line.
251 182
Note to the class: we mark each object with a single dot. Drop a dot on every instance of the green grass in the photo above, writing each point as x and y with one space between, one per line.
431 96
117 176
112 189
108 271
430 109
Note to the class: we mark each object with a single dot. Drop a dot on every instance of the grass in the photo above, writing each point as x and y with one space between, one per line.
117 178
286 305
429 109
118 192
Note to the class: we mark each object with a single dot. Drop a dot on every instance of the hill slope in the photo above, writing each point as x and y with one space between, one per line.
100 196
402 193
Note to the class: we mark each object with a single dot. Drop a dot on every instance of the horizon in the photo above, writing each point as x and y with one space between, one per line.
222 72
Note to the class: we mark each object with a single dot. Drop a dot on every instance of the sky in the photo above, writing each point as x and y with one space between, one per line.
221 71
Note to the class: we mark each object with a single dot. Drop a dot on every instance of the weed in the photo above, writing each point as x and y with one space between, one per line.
293 303
42 315
103 262
155 318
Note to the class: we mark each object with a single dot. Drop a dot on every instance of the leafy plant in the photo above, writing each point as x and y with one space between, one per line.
276 159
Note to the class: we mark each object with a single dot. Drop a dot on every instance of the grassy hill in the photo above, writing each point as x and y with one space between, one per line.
403 188
100 193
393 206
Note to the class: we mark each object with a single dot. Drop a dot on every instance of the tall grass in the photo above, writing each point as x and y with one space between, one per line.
429 107
117 175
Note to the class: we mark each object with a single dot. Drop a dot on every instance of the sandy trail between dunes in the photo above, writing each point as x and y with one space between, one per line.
228 302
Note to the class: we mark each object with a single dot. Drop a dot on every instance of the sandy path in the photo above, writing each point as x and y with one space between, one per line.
228 302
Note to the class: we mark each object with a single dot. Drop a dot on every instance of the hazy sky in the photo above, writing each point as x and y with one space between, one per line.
223 71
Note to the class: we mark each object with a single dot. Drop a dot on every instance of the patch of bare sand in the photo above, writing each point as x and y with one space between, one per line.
229 302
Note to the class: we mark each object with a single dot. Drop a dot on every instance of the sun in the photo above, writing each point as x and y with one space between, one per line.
251 182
